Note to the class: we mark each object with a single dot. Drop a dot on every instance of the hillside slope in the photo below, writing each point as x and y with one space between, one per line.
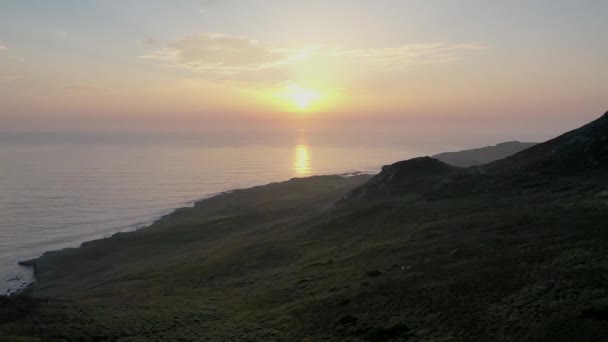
428 252
413 178
484 155
582 148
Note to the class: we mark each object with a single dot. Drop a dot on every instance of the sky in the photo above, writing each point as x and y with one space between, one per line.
527 69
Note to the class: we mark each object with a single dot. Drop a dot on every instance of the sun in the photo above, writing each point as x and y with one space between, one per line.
302 98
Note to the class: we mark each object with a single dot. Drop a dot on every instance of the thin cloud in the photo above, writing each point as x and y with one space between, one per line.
403 56
10 78
8 56
217 53
16 59
86 88
232 58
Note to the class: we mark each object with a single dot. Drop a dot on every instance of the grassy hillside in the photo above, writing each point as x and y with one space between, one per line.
421 252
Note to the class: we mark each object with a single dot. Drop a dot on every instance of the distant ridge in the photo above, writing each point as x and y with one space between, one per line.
484 155
582 148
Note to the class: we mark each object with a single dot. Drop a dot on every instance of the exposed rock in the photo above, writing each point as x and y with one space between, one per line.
414 177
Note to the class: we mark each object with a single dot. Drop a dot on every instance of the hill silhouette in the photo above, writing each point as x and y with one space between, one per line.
515 250
415 177
484 155
582 148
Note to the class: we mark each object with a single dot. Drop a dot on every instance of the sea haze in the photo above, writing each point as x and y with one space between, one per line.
59 190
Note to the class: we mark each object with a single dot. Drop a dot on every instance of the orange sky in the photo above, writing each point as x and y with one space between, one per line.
229 64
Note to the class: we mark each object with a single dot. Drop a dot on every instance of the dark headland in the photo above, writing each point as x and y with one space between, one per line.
513 250
484 155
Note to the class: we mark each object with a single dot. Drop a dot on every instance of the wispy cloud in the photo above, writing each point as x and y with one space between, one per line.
9 78
217 53
16 59
233 58
89 88
403 56
7 55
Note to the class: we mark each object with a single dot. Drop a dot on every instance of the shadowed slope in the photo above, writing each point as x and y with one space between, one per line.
484 155
413 177
189 238
585 147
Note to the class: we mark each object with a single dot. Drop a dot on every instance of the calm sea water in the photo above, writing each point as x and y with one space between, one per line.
59 190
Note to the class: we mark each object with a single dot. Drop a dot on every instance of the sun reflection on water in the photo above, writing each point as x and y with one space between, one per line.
301 163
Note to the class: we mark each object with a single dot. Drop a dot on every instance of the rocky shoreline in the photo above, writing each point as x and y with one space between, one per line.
23 285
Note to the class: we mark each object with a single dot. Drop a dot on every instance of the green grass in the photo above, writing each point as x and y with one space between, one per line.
482 258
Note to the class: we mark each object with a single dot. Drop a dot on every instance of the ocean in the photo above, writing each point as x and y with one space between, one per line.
58 190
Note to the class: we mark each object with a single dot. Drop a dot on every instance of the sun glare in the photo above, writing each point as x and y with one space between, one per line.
302 98
302 160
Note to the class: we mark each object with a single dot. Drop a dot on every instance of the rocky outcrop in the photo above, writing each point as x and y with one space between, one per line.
409 177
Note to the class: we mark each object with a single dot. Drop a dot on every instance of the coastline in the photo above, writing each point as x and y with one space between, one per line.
31 264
